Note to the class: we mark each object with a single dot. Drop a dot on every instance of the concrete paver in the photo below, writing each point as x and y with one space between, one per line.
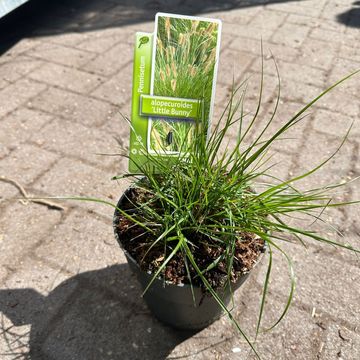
65 289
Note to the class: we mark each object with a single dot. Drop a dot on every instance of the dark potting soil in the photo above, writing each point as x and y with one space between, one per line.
136 241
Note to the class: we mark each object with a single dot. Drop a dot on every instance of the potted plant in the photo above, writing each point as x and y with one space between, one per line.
193 227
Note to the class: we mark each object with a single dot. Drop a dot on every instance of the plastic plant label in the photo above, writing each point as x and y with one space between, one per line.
180 88
141 85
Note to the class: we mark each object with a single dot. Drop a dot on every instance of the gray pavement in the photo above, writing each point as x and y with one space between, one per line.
65 75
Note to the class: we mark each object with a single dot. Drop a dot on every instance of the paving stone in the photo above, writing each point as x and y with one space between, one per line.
112 61
21 47
314 53
222 95
245 31
332 9
63 137
300 92
14 341
342 68
335 124
288 143
7 192
74 178
237 16
232 66
61 54
90 244
327 36
18 126
66 78
266 19
24 89
15 68
299 8
98 43
106 319
69 39
297 332
342 342
3 272
349 238
290 35
324 283
3 151
336 226
122 32
315 23
253 46
23 226
318 148
73 107
118 128
348 104
226 39
294 72
281 170
24 165
270 86
349 52
117 90
30 301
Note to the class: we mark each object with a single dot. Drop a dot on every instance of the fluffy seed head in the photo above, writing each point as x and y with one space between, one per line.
167 27
194 25
167 69
173 68
162 75
173 84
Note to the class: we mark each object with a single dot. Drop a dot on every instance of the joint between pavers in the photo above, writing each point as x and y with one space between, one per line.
85 95
334 253
302 141
51 264
309 309
30 252
70 157
279 26
34 107
27 101
33 56
108 78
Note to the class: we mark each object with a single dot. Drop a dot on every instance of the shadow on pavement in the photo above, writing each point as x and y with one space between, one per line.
351 17
93 315
43 17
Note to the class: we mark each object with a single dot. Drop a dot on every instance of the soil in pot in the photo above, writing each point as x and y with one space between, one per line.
137 243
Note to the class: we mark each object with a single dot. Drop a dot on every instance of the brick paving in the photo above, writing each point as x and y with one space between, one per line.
65 289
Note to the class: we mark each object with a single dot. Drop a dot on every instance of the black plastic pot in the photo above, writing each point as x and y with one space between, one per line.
174 304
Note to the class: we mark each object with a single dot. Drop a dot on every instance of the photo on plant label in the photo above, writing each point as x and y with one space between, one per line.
185 56
171 135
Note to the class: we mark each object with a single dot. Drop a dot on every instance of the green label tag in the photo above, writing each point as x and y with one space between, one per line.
141 85
163 106
173 88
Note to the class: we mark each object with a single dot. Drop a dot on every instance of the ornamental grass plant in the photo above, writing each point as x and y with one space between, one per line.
215 198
